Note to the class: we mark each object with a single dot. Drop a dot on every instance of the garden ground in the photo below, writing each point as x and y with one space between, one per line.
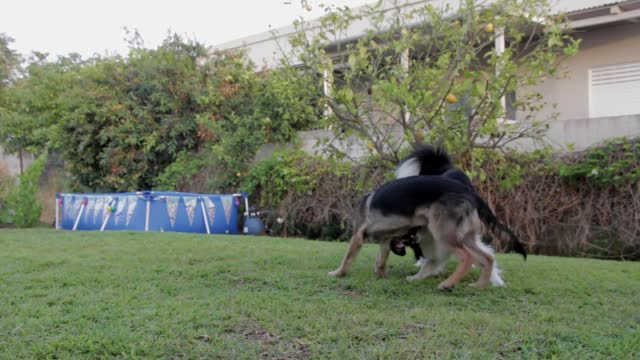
184 296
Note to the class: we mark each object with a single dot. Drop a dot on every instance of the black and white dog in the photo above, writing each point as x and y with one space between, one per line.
448 209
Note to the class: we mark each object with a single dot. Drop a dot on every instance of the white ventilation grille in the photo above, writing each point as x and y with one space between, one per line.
614 90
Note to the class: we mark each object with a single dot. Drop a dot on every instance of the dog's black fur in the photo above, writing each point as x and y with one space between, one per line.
403 196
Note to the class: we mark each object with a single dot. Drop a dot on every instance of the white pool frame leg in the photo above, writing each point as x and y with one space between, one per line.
57 213
75 224
204 216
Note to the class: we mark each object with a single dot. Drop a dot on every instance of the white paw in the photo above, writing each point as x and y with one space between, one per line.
416 277
496 279
336 273
421 262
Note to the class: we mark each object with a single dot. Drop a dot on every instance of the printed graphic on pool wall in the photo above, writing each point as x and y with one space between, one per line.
151 211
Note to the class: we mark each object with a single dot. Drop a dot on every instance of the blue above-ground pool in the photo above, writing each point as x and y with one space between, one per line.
151 211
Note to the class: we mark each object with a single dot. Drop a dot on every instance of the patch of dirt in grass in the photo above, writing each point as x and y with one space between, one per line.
416 328
296 350
351 294
349 291
261 336
510 349
271 343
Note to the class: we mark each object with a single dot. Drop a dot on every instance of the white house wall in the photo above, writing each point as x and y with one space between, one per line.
613 45
269 47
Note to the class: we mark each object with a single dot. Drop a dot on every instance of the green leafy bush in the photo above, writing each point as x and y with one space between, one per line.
314 196
613 164
285 171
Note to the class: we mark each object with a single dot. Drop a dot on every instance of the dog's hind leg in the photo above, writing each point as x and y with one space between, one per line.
464 264
383 255
354 247
450 225
496 278
483 255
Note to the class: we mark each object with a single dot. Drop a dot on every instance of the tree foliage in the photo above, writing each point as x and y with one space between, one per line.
35 103
262 107
431 74
120 122
129 117
9 61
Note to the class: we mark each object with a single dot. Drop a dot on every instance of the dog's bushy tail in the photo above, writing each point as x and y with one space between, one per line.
425 160
490 219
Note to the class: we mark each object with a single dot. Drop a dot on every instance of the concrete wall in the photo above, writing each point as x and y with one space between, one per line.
575 134
579 134
586 132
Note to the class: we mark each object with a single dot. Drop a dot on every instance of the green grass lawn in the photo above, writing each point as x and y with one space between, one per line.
185 296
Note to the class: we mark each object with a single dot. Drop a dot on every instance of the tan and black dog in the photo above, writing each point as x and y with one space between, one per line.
450 210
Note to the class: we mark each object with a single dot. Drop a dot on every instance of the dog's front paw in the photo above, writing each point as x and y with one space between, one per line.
421 262
336 273
381 273
445 286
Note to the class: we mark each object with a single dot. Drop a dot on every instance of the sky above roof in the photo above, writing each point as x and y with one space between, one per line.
92 27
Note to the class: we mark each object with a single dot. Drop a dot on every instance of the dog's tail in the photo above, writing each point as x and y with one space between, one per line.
490 219
425 160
